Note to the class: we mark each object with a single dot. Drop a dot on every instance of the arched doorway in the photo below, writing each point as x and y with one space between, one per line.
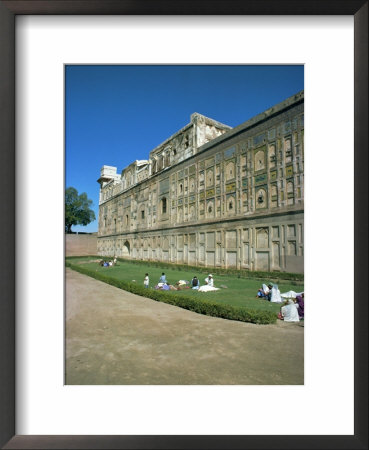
126 251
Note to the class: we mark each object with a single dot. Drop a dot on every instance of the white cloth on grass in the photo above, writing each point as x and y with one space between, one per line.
290 294
207 288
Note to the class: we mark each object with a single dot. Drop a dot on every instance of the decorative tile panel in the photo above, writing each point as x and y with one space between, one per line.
260 179
230 152
164 186
210 193
209 162
259 139
289 171
230 187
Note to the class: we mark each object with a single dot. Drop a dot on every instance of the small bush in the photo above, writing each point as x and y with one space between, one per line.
200 306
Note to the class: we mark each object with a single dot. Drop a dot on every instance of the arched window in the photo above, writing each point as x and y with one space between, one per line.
261 199
164 205
209 177
231 203
192 185
260 160
210 208
230 171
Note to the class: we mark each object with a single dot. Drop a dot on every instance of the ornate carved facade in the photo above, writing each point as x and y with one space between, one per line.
213 196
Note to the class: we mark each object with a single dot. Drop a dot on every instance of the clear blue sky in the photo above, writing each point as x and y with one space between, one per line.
117 114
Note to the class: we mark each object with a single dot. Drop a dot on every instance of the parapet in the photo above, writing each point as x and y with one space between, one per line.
108 173
178 147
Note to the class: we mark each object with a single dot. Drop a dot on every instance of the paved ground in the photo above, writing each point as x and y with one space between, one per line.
115 337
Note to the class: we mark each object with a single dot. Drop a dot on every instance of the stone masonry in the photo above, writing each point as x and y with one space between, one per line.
212 195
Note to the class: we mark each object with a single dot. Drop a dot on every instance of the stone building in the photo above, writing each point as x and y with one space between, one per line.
212 195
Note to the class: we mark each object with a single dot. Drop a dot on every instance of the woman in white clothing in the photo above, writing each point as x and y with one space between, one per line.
289 312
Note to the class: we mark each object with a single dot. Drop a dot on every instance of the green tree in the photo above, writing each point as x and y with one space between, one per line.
77 209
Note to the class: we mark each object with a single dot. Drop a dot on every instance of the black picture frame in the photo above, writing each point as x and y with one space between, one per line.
8 11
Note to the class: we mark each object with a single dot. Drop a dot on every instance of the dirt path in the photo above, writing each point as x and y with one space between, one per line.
115 337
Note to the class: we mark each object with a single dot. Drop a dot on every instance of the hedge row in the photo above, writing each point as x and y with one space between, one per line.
85 257
196 305
243 273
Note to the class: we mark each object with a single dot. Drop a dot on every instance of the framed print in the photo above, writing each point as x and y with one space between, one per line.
330 409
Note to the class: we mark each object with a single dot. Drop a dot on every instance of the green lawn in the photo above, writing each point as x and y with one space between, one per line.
240 292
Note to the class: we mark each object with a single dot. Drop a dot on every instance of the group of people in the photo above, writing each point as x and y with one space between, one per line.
208 286
182 284
195 282
112 262
162 284
293 309
293 302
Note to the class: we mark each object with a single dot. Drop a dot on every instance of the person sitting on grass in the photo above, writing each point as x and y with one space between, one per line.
195 283
265 292
275 294
300 303
289 312
209 286
165 287
209 280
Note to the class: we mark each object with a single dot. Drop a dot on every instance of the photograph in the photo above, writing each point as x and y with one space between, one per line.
156 173
184 224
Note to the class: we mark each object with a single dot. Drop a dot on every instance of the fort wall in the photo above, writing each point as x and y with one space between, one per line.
236 200
80 244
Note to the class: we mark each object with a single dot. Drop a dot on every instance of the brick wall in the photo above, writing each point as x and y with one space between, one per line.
80 244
